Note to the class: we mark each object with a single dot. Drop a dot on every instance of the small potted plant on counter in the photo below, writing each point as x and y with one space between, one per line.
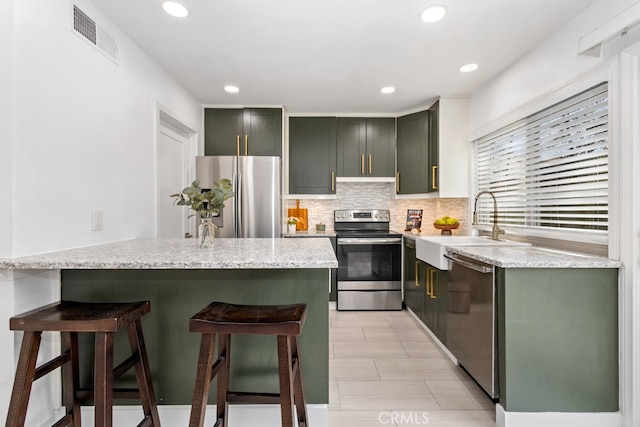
291 224
206 203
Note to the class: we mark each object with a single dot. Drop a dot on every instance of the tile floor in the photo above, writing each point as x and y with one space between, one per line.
385 370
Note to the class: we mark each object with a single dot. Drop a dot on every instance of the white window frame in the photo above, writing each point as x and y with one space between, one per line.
507 124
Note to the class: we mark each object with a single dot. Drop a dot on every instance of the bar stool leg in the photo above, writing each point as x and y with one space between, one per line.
25 373
143 373
203 380
286 380
298 385
224 357
103 379
70 376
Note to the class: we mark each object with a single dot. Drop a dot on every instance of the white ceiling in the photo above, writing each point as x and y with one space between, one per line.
333 56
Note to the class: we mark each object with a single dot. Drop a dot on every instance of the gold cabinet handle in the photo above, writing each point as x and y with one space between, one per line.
432 274
397 182
333 181
246 145
433 178
417 265
362 164
238 145
370 164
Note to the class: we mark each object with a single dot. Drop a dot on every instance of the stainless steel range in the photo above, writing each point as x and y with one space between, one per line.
369 261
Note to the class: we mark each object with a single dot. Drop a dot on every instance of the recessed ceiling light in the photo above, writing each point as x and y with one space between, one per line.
467 68
231 89
176 9
434 13
388 89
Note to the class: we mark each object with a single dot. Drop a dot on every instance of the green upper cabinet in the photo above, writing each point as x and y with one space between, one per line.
434 145
312 155
243 132
413 174
366 147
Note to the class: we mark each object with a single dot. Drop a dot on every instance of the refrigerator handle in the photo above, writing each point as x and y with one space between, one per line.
238 222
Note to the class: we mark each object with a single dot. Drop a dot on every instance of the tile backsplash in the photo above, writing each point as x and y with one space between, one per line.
381 195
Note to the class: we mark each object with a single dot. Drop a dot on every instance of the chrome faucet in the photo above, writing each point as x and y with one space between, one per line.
496 230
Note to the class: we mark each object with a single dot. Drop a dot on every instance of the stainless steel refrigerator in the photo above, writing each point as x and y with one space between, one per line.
256 208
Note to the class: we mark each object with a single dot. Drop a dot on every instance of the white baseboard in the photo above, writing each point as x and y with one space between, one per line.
557 419
239 415
433 336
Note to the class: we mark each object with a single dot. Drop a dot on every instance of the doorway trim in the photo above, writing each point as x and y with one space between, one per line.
170 124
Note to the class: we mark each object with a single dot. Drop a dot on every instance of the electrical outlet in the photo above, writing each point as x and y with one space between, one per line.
96 221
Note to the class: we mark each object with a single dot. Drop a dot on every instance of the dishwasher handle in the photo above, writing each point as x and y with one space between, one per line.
473 266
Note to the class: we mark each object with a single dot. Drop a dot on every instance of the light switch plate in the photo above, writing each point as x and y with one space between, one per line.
96 221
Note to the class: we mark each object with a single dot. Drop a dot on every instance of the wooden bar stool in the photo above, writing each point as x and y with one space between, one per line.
69 318
284 321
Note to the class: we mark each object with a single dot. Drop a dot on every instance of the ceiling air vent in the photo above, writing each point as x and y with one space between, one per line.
86 27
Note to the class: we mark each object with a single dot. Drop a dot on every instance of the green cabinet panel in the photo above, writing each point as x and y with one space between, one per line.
176 295
414 290
434 146
222 132
412 174
243 132
312 155
263 131
557 332
366 147
435 301
435 310
425 291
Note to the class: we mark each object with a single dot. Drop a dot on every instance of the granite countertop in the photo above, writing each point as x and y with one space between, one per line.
532 257
186 254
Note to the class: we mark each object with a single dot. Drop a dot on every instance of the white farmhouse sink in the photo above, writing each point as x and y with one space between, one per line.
432 249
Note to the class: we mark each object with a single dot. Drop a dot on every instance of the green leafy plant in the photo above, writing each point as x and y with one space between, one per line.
205 203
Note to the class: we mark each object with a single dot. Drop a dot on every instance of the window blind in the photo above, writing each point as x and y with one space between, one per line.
549 170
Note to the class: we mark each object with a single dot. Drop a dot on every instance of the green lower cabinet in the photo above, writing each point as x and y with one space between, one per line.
557 338
413 286
435 301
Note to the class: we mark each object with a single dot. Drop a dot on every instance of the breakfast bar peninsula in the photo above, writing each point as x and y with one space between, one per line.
179 278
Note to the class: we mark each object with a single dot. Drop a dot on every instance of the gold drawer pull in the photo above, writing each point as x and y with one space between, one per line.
433 178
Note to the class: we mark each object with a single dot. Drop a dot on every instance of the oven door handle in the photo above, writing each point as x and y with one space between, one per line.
370 241
476 267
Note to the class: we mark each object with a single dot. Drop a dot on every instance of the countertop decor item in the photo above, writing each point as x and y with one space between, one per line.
446 224
301 214
446 228
291 224
320 227
206 203
414 220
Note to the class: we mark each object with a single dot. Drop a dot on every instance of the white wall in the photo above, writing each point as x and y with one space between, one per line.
6 128
85 131
549 66
539 77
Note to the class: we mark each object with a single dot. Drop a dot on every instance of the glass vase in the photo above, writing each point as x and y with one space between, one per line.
207 229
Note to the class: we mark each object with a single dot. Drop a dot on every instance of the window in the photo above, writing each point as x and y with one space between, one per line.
549 171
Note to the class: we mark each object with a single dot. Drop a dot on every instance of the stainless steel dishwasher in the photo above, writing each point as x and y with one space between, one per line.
471 325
